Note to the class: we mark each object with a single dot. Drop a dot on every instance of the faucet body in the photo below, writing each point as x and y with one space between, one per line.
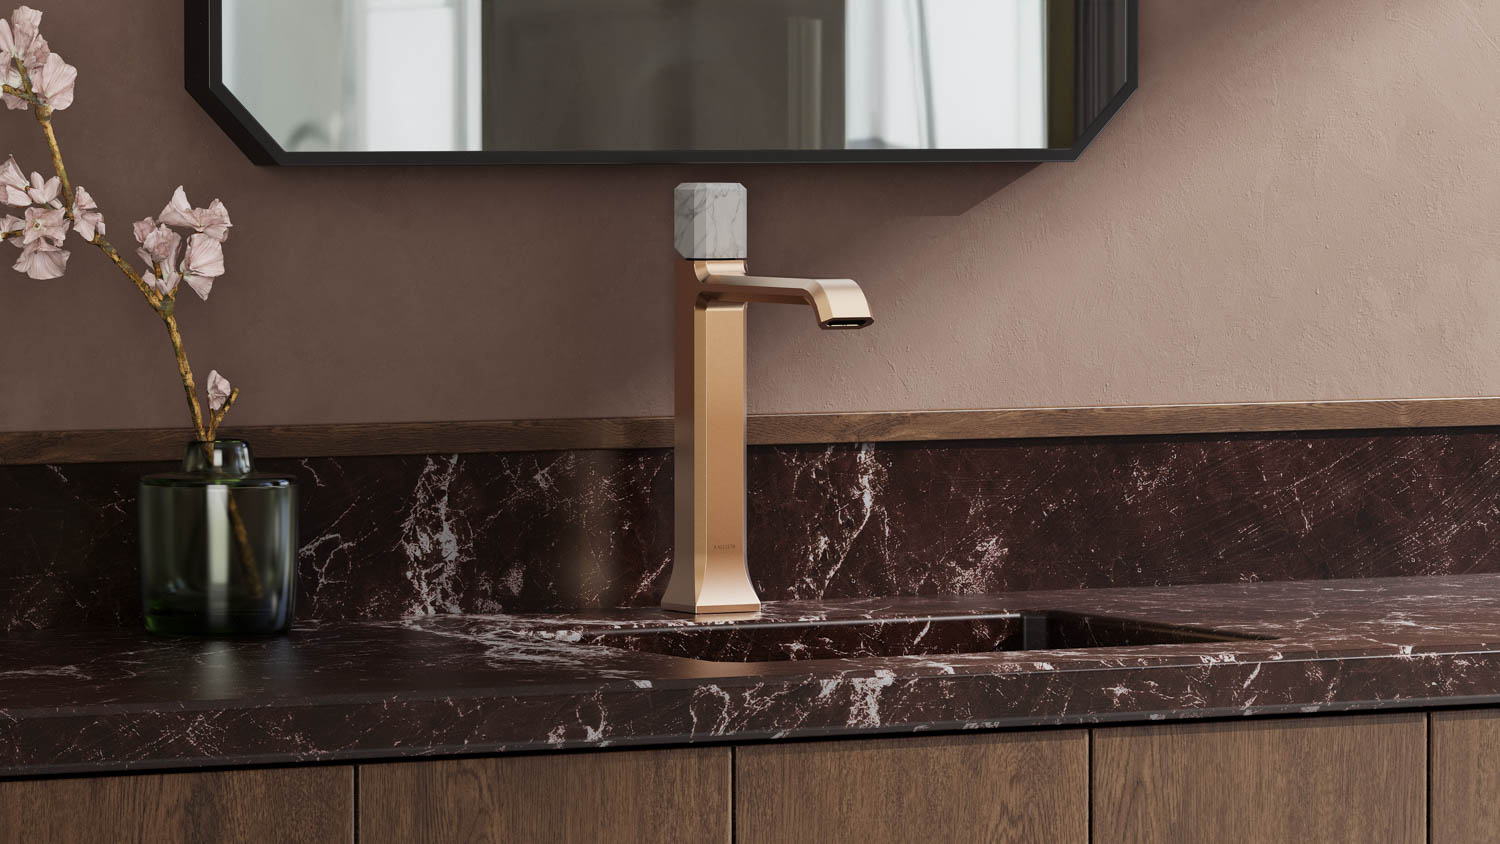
709 570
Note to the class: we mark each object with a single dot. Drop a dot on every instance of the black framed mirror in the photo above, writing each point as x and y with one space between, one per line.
310 82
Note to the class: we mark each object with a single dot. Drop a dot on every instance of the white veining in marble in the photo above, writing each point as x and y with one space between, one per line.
710 221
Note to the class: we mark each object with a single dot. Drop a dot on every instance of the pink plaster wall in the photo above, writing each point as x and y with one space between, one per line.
1301 202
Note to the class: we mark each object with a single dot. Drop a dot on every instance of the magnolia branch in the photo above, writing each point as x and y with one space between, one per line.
162 301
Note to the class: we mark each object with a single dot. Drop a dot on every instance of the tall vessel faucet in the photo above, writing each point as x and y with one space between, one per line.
713 291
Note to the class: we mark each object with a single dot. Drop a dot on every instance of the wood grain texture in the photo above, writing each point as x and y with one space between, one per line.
1005 787
628 796
293 805
1465 759
1351 779
61 447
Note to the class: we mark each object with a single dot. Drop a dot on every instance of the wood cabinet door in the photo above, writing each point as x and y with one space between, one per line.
1465 776
994 787
1357 778
616 796
292 805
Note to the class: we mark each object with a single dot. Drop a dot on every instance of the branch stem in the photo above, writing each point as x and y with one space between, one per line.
185 371
44 118
17 92
152 297
217 417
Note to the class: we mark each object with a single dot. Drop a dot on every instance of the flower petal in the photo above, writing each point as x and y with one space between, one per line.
86 216
179 212
7 42
205 257
201 285
203 263
26 37
13 182
42 261
54 82
44 192
215 221
219 389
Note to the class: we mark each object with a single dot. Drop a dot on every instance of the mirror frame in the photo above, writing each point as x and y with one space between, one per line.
204 53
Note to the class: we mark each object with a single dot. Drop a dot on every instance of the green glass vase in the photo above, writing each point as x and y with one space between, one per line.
218 545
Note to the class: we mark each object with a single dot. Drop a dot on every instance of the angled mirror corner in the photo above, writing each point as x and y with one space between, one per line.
438 81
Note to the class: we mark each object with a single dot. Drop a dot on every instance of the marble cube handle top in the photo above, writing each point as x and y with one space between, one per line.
710 221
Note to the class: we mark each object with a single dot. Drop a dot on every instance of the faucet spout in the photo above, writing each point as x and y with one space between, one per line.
839 302
709 569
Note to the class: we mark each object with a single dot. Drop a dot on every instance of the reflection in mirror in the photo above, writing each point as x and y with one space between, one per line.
681 75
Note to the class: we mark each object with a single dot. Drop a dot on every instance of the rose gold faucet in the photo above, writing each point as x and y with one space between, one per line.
709 572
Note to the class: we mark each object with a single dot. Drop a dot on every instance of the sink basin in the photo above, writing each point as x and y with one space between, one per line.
927 636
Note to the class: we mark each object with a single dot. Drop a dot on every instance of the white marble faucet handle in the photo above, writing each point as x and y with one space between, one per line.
710 224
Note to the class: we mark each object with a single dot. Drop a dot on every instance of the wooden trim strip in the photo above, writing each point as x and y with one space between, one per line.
62 447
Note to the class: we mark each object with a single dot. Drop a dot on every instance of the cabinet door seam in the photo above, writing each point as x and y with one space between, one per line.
355 807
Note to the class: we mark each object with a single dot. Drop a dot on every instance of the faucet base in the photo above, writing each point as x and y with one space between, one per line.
710 585
710 609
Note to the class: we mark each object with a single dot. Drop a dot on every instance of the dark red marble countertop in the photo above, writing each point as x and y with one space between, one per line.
470 684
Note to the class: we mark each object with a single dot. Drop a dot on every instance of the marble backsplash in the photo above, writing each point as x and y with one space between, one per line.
392 537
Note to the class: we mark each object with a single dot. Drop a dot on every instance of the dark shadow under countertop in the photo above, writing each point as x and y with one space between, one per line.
80 702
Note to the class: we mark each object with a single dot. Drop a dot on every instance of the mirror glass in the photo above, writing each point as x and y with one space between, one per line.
580 76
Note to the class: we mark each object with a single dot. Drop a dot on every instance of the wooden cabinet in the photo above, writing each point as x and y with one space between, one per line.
1346 778
293 805
1465 790
620 796
1355 778
996 787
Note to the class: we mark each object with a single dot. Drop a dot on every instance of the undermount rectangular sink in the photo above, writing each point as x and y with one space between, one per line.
932 636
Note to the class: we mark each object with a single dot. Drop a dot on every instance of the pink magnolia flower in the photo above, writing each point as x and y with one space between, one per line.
26 38
212 221
22 39
158 245
42 261
45 223
53 83
203 263
44 192
159 248
219 389
86 216
14 183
